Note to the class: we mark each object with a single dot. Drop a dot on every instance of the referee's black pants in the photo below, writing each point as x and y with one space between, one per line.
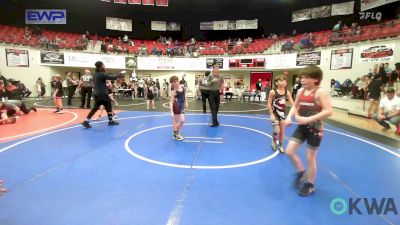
205 94
214 100
86 91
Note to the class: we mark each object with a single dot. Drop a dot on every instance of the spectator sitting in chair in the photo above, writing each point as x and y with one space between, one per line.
125 39
110 48
11 91
44 42
27 35
389 111
155 51
36 31
255 93
108 40
123 84
24 92
358 30
306 41
362 86
354 88
353 29
143 50
58 40
82 42
228 92
287 46
246 93
338 27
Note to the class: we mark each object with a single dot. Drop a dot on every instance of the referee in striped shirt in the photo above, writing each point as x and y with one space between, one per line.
86 87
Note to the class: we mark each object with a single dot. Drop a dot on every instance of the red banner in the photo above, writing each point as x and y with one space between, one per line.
147 2
162 3
135 2
120 1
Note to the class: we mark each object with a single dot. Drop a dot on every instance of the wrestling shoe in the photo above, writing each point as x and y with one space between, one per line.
297 181
86 124
113 123
307 189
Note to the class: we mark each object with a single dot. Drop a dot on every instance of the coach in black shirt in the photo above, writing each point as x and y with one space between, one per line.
100 94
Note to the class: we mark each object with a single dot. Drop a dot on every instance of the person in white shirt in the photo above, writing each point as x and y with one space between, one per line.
396 86
140 85
228 92
389 110
166 89
205 90
125 39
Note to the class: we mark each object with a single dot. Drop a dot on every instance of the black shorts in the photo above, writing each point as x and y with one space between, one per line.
59 94
150 96
312 135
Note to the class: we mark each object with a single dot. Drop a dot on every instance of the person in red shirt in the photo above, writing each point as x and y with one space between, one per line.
310 108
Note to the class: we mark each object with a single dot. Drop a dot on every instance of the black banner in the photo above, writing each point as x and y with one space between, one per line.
218 61
52 58
308 58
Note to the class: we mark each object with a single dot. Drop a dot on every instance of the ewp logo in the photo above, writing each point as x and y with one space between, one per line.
46 16
340 206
